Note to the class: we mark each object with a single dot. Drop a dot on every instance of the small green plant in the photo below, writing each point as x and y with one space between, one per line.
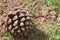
54 3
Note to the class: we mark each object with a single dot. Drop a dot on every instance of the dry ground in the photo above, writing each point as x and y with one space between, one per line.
46 19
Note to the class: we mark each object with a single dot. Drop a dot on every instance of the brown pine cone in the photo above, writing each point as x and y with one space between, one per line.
19 23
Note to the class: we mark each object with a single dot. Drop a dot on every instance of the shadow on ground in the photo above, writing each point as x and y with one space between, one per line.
39 35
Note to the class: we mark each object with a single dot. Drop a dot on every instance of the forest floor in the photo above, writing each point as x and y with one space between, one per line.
47 18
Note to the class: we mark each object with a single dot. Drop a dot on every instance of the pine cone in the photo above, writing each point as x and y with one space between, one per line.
19 23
